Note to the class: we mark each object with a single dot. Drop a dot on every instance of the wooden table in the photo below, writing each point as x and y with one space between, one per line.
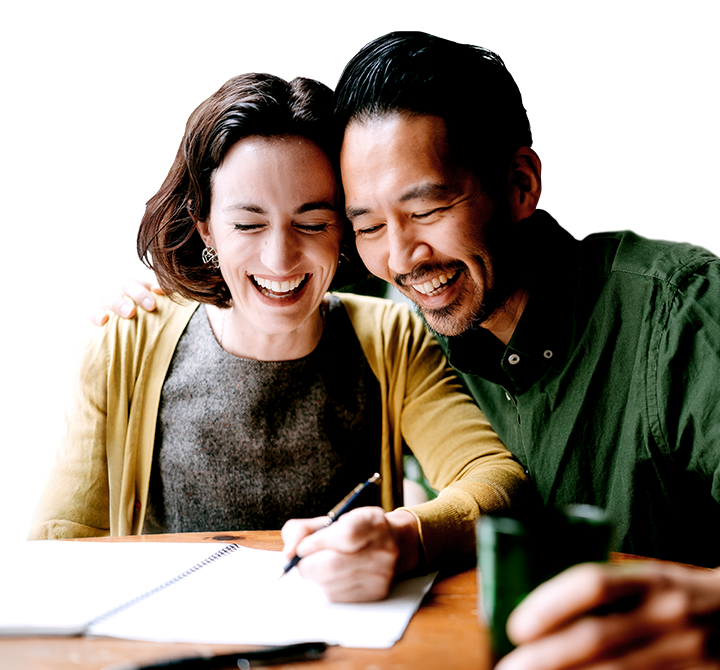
444 633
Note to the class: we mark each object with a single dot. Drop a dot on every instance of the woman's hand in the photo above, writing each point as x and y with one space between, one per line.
356 558
655 615
124 302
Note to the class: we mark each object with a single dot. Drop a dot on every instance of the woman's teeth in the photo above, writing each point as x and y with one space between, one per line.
431 286
279 288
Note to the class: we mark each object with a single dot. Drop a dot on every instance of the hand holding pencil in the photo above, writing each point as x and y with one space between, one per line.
357 554
345 505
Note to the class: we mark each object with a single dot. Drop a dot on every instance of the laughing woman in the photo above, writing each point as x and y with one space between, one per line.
254 395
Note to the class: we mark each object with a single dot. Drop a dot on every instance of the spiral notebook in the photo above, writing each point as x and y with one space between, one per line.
185 592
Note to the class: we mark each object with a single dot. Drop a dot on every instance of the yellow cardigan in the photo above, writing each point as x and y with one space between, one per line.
99 484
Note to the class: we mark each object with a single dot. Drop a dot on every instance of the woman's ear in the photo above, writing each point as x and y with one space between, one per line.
203 227
525 183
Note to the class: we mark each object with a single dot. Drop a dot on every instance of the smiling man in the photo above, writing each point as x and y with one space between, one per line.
596 360
582 353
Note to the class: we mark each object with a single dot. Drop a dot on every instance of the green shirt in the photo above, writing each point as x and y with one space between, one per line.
609 390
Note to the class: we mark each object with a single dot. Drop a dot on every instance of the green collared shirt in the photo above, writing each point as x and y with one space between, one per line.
609 391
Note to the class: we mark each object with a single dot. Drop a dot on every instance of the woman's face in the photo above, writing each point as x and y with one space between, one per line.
275 224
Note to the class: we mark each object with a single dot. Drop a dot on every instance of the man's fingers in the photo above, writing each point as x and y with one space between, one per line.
99 317
578 590
582 589
591 638
580 620
141 294
681 649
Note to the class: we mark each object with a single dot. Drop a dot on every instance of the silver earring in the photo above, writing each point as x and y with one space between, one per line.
209 255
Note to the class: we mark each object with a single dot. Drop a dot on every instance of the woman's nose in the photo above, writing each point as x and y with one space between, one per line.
281 254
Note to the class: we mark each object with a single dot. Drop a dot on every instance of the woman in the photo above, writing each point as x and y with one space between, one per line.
255 396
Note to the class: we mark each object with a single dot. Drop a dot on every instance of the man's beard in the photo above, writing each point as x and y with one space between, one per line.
458 317
477 303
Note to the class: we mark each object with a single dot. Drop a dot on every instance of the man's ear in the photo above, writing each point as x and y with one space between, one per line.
524 183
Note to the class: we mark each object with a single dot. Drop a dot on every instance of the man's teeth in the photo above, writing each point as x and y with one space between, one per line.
435 285
279 287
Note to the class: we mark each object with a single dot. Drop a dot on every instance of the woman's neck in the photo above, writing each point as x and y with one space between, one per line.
241 340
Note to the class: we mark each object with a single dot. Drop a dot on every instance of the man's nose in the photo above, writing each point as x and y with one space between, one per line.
407 249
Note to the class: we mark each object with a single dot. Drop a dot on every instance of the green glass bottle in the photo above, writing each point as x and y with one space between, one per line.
514 555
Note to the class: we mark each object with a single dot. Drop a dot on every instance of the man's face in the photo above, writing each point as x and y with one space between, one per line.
424 223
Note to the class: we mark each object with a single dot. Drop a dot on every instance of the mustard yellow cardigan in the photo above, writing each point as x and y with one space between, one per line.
99 484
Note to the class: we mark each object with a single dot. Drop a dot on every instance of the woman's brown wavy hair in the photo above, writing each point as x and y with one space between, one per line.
251 104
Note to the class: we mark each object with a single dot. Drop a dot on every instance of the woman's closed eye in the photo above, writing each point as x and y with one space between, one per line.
248 227
312 227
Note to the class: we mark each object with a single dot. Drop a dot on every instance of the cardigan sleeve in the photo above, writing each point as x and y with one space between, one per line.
431 412
75 500
98 484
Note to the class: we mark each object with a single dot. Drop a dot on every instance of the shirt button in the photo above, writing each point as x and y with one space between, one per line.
507 395
513 359
547 353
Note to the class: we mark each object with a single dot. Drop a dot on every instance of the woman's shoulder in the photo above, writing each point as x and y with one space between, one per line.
354 302
167 310
168 319
382 317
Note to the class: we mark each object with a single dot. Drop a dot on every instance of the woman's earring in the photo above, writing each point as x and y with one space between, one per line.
209 255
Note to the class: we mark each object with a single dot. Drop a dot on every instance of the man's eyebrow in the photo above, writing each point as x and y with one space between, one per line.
429 190
354 212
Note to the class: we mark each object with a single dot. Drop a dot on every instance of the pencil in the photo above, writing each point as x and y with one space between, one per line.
345 505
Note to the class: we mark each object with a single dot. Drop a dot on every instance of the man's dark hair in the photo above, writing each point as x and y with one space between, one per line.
468 86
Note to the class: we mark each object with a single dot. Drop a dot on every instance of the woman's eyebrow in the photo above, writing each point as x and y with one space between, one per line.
246 207
312 206
256 209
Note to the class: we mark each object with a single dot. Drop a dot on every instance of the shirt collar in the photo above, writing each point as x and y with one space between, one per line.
541 337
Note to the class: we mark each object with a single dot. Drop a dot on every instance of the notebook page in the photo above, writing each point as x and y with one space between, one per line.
57 587
241 600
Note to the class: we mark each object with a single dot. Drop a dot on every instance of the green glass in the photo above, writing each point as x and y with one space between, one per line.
514 555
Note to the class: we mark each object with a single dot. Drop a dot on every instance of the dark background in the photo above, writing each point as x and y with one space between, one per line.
88 122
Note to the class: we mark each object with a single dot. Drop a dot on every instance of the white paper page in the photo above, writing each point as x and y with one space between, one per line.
58 586
241 600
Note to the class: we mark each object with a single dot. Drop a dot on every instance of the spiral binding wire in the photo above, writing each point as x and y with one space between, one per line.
144 596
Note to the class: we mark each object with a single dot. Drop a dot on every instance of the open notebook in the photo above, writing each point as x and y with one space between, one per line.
177 592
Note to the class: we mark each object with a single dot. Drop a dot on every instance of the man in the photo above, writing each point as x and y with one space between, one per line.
596 361
593 360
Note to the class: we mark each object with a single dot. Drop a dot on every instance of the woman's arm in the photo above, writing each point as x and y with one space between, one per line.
75 502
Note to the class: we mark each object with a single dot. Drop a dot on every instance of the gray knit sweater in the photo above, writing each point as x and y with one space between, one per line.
243 444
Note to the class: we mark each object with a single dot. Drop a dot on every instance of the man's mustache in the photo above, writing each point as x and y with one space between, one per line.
422 272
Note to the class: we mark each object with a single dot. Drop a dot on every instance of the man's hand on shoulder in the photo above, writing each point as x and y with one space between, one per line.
123 298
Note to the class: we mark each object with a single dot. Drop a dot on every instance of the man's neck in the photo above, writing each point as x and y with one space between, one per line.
503 322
